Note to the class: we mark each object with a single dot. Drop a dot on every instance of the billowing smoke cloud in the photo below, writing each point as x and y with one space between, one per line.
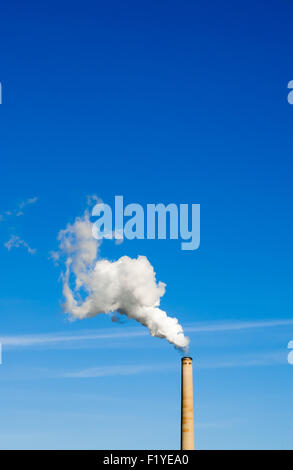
128 286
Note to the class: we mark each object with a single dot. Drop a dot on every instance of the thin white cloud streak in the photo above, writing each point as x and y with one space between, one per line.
235 326
35 340
277 358
114 370
58 338
256 360
265 359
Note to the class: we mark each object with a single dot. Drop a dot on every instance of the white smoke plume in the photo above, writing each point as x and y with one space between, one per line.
92 286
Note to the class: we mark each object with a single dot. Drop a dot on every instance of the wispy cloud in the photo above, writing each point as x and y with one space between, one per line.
15 242
93 199
18 211
23 204
125 334
266 359
104 371
55 338
234 326
290 355
246 360
236 361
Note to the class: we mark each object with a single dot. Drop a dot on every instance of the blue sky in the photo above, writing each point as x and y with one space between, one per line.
162 102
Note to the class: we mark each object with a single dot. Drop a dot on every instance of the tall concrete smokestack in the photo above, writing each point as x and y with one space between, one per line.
187 430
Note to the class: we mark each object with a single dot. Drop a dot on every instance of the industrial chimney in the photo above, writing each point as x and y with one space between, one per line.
187 431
